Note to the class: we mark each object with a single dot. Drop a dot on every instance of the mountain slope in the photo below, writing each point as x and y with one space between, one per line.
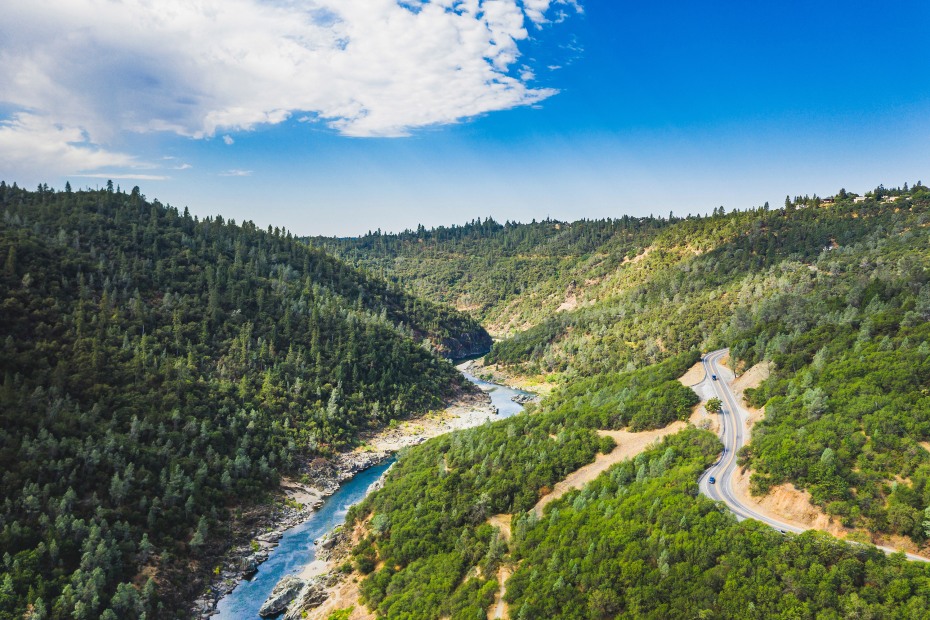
834 297
157 369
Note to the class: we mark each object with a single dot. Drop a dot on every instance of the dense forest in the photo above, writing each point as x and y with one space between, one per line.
834 295
639 542
158 369
429 530
636 542
507 275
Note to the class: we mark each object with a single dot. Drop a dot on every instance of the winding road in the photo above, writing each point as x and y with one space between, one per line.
733 434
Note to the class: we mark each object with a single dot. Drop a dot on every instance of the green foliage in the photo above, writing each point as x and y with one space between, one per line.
648 398
430 527
648 547
341 614
486 266
691 284
848 404
156 368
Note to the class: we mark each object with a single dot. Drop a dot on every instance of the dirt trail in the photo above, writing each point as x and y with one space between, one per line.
502 522
628 445
499 608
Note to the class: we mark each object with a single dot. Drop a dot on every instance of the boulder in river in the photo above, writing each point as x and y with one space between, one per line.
282 595
248 565
311 596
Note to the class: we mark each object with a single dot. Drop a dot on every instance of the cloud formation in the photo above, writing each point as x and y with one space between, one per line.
366 68
31 141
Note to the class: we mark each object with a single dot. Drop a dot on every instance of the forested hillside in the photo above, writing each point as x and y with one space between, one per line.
158 370
637 542
834 295
508 275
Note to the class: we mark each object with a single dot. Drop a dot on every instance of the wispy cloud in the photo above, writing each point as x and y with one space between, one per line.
236 173
228 140
93 69
123 175
33 141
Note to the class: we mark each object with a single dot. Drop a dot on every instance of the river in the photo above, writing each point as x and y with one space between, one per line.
296 548
501 395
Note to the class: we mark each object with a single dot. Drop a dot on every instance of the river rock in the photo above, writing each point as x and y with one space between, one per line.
310 597
248 565
378 484
285 592
330 539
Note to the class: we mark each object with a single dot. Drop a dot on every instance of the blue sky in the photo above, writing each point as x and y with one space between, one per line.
351 115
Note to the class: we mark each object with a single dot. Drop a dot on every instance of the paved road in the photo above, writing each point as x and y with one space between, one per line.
733 435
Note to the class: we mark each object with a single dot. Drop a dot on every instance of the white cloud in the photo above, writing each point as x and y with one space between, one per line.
34 142
95 68
228 140
236 173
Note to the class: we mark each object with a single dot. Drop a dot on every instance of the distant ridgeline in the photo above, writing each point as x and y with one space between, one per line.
833 293
157 369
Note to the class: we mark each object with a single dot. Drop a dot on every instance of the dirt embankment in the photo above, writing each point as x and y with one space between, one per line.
693 376
752 378
343 594
783 502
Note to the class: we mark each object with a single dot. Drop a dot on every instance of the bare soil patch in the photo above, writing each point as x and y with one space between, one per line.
788 504
703 419
639 256
693 376
570 303
752 378
502 522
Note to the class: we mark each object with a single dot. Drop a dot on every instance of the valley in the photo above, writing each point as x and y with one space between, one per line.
176 372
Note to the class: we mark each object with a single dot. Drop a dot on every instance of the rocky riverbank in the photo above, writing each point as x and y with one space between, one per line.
262 529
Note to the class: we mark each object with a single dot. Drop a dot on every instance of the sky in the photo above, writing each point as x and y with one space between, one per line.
336 117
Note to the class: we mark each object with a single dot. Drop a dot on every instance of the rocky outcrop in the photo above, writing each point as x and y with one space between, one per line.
379 483
328 474
282 595
310 597
248 565
328 542
522 399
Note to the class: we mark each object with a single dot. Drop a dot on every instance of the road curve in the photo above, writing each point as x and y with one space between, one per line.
733 434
